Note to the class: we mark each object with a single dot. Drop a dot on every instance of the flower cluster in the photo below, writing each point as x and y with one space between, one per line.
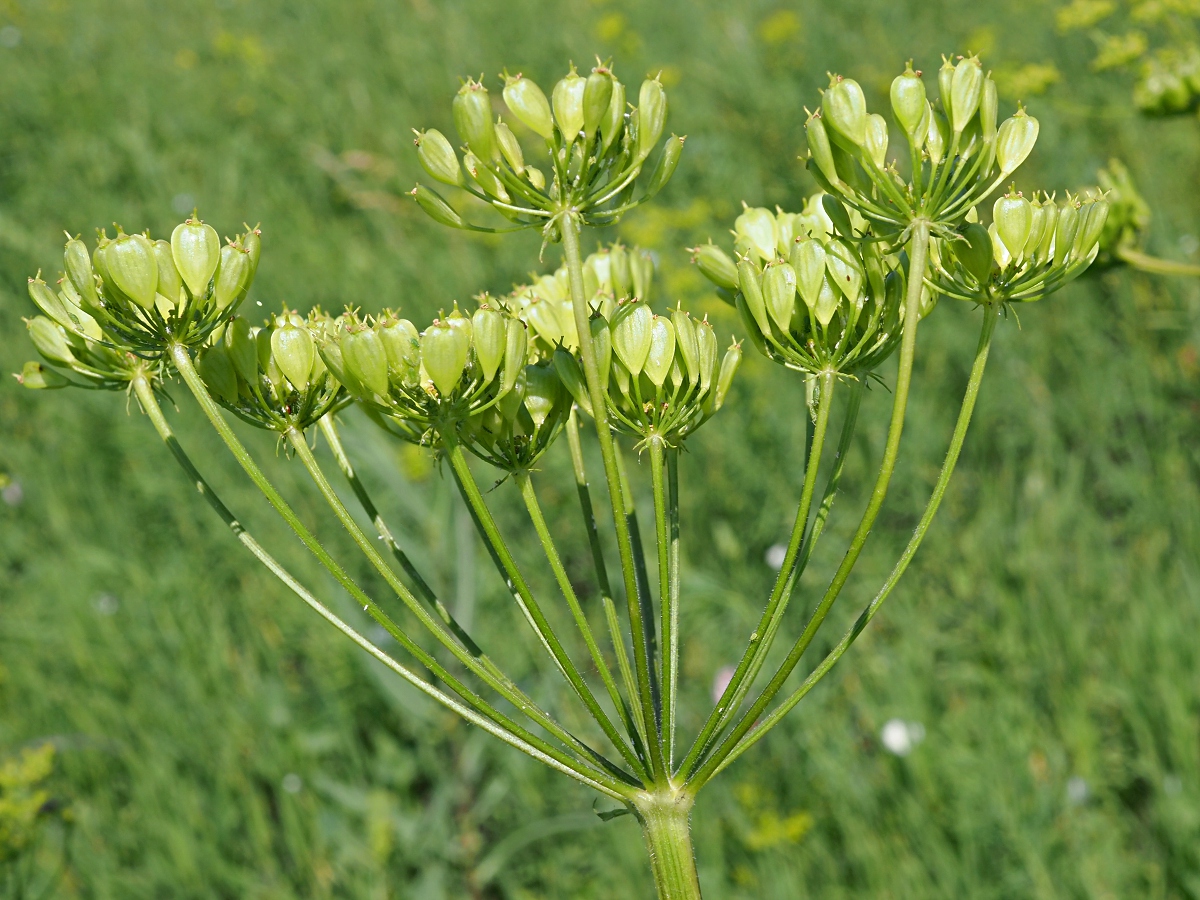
595 150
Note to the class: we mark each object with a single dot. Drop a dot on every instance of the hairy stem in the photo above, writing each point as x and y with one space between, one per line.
991 314
664 817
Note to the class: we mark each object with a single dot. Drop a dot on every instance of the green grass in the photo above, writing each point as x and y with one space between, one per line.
1046 632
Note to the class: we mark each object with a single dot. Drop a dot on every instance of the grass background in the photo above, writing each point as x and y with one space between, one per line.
214 739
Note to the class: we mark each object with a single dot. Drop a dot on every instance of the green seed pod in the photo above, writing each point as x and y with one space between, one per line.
1015 140
652 116
908 99
844 270
641 269
37 377
716 266
667 163
294 353
435 207
516 348
528 103
251 242
543 316
631 336
1000 252
620 273
836 210
1037 229
989 106
808 261
401 345
233 276
876 143
78 264
243 353
567 100
483 176
750 285
602 343
966 90
945 78
597 95
536 178
365 359
779 293
974 252
613 122
543 391
169 283
686 341
757 227
572 378
1046 246
50 340
218 374
132 267
510 148
196 248
490 335
472 109
729 367
1091 223
1064 233
49 303
444 351
827 303
1013 215
662 350
706 349
844 107
438 158
935 141
819 148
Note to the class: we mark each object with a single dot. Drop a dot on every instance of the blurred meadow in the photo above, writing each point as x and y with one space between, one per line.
210 737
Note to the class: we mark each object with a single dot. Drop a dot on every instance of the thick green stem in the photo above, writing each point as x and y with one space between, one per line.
530 606
615 785
529 495
664 816
742 679
991 314
918 259
587 350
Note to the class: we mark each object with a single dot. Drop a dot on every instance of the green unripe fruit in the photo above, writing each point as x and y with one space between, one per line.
876 142
132 267
631 336
49 302
365 359
750 285
1036 230
808 261
37 377
597 95
78 264
543 316
528 103
490 334
662 350
844 107
729 367
1064 233
836 210
438 158
435 207
567 100
652 116
667 163
243 353
716 266
706 349
233 276
50 341
827 303
989 105
1092 218
614 119
619 273
908 99
401 345
819 148
779 293
536 178
543 391
602 343
844 270
472 109
516 348
1046 245
571 377
966 90
999 250
1013 215
444 351
294 353
196 249
169 283
685 340
945 78
1015 140
974 252
217 372
935 139
510 148
756 226
484 177
251 242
